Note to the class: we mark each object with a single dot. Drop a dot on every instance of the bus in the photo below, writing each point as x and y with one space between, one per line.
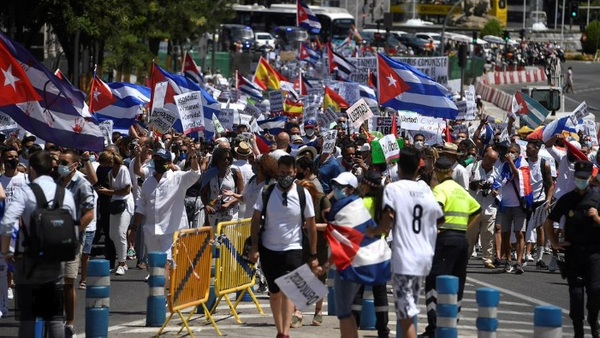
335 22
437 11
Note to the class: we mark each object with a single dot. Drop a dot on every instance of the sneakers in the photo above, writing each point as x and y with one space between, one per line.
120 271
553 264
11 295
529 258
70 331
488 264
497 262
296 320
131 254
540 265
508 268
519 269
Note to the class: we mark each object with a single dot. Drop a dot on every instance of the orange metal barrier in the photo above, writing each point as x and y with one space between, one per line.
233 274
190 275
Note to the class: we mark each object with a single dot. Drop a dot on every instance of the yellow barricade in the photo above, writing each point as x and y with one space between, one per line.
190 275
233 274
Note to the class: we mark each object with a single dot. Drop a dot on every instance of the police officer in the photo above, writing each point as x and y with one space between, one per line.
461 211
582 246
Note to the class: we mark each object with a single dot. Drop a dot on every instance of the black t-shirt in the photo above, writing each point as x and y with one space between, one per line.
580 229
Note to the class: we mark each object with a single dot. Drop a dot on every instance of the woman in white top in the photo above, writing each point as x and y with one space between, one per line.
121 205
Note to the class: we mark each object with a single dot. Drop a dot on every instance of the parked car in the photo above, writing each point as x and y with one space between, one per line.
420 46
263 38
376 39
437 38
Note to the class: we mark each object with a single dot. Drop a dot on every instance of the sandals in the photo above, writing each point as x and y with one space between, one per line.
317 319
296 320
82 285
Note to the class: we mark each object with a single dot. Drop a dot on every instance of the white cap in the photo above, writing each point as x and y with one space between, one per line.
575 144
346 179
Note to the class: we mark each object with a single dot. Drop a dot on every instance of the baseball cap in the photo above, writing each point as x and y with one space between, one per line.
583 169
346 179
310 124
163 154
443 164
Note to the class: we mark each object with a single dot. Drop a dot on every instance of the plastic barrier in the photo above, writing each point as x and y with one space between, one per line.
447 307
487 318
190 275
155 304
547 322
97 298
233 274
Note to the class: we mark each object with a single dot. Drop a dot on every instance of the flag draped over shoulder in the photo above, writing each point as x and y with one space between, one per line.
44 105
357 257
524 184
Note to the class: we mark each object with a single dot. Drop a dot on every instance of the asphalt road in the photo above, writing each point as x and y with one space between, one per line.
586 85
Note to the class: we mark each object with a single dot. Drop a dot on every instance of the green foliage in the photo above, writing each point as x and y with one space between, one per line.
592 42
492 27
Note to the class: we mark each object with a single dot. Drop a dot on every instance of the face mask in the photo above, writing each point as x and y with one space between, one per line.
92 158
309 132
12 164
581 184
419 145
63 170
285 181
587 144
182 156
339 193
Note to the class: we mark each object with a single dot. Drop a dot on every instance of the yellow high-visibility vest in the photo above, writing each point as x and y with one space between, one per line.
457 203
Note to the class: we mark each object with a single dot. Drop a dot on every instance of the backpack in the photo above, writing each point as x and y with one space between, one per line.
52 235
266 194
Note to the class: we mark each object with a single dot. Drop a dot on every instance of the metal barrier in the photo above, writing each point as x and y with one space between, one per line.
190 275
233 274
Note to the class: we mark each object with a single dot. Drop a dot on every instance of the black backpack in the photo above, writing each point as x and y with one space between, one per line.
266 194
52 235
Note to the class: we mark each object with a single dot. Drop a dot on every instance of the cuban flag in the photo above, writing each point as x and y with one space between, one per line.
308 54
530 110
304 85
43 104
558 126
423 95
306 19
118 101
178 84
357 257
273 126
368 94
190 70
524 186
339 63
248 87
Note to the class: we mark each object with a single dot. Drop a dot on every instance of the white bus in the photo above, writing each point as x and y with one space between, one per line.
335 22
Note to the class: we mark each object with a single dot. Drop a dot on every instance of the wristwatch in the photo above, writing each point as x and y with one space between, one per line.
312 256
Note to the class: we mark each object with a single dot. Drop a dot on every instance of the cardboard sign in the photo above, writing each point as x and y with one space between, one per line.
359 113
471 111
106 128
580 112
191 111
252 110
390 148
302 287
276 100
162 120
326 118
329 139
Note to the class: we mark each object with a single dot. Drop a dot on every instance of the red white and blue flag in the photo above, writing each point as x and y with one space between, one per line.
248 87
307 19
304 85
308 54
43 104
423 96
524 186
358 258
339 63
530 110
190 70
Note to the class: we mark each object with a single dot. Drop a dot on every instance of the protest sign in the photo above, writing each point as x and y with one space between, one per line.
191 111
471 111
162 119
106 128
302 287
589 128
349 91
435 67
329 138
218 126
383 124
390 148
7 123
244 119
227 118
358 113
327 117
276 100
580 112
414 121
160 91
252 110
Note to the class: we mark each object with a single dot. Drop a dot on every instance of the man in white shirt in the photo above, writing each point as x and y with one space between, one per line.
241 154
140 168
411 209
459 173
162 195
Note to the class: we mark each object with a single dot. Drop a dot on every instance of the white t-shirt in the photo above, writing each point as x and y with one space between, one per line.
460 175
477 173
283 231
415 228
121 181
12 184
565 179
148 171
537 180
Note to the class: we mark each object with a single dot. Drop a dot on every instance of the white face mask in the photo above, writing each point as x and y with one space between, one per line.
309 132
419 145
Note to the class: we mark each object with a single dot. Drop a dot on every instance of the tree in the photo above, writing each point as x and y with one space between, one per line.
492 27
592 41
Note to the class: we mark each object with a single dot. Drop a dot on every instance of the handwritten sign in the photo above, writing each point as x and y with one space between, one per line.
471 112
326 118
191 111
329 139
218 126
162 119
227 117
252 110
359 113
106 128
302 287
390 148
276 100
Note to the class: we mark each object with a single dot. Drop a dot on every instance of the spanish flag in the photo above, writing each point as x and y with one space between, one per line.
334 100
291 108
267 77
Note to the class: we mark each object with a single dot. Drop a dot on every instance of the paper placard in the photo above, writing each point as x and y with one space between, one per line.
244 119
359 113
471 111
227 118
326 118
329 139
390 148
160 91
276 100
191 111
580 112
383 124
349 91
162 120
414 121
218 126
302 287
589 128
252 110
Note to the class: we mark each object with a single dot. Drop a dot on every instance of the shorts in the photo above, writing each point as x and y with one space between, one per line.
513 218
158 243
278 263
406 295
88 240
72 267
344 293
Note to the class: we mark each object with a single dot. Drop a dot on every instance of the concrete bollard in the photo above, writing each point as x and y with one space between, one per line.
97 298
487 318
39 328
156 313
367 313
330 295
447 307
547 322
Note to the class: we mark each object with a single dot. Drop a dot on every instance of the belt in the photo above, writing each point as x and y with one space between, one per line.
451 231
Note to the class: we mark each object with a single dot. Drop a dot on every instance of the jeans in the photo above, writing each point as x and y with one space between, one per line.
41 300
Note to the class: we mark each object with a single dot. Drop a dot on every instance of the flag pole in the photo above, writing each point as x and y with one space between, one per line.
237 82
92 88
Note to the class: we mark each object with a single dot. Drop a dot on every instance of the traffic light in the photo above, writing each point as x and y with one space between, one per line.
462 55
474 37
574 9
506 35
522 34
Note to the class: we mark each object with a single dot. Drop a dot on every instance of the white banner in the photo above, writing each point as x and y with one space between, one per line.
349 91
414 121
589 128
471 113
162 120
580 112
390 148
191 111
435 67
245 120
252 110
302 287
329 138
276 100
359 113
383 124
